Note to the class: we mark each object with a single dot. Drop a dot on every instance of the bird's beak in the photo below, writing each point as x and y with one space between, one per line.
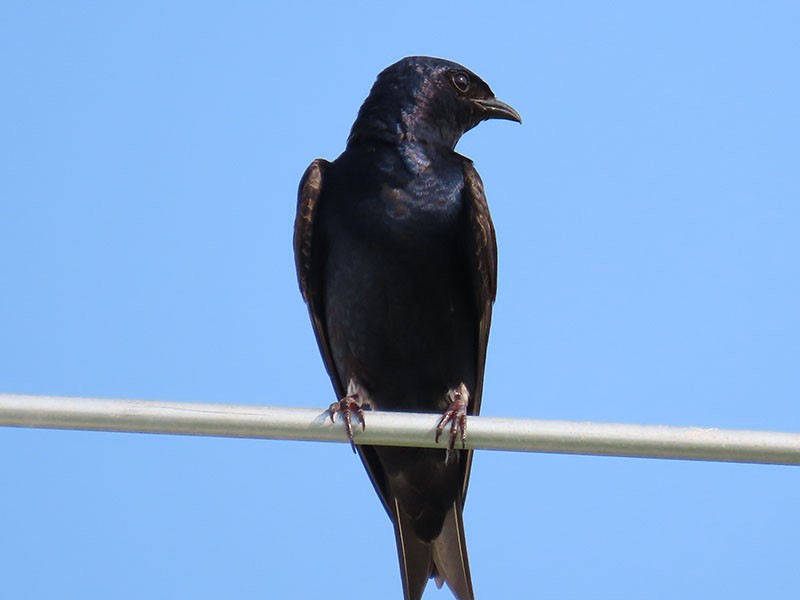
492 108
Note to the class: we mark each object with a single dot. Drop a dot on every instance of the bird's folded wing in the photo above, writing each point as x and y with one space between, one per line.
482 254
307 256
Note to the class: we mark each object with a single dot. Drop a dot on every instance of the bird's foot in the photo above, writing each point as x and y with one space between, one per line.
456 417
354 402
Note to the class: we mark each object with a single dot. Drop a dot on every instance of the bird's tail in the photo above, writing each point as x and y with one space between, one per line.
445 558
450 555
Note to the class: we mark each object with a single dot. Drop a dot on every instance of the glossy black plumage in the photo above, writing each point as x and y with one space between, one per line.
397 260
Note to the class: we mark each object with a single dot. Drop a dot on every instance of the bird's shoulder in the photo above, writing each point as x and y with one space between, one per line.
483 241
308 200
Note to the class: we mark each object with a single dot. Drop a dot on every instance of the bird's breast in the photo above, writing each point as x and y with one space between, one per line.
404 193
399 306
426 209
417 211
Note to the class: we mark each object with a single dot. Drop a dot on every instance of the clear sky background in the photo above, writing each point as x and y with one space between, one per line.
648 218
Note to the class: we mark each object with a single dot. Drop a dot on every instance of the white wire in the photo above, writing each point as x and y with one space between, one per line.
399 429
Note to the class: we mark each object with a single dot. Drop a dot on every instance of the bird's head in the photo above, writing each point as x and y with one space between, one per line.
429 101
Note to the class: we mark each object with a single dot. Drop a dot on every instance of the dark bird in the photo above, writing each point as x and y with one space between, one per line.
397 260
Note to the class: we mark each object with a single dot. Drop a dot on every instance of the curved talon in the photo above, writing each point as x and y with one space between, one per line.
333 409
456 417
348 405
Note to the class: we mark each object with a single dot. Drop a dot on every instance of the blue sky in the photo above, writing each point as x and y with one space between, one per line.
647 214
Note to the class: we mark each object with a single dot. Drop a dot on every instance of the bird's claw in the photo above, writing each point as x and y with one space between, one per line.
456 417
348 405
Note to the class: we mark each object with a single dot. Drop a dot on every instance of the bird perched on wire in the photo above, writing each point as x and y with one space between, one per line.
397 260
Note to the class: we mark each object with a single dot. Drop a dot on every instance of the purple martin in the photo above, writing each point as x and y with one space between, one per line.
397 260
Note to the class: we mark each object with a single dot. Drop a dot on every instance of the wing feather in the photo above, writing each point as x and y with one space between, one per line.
309 250
482 254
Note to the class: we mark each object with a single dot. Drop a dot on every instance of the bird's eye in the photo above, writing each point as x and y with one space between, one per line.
461 81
